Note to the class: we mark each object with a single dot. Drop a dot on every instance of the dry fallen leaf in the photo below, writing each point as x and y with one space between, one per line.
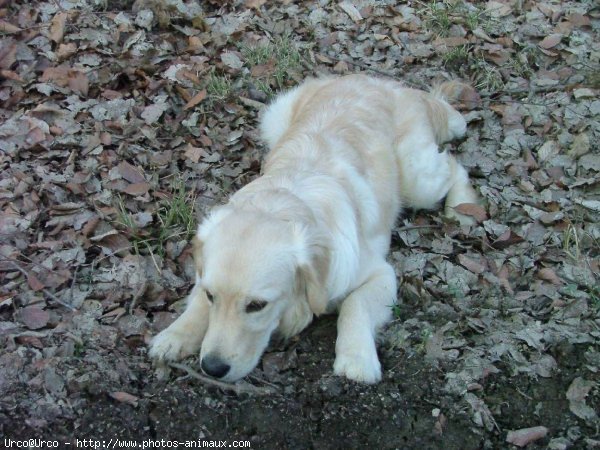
524 436
471 264
8 52
115 102
8 27
232 60
196 99
34 317
57 27
130 173
124 397
194 153
576 394
548 274
550 41
472 210
351 10
34 282
254 3
137 188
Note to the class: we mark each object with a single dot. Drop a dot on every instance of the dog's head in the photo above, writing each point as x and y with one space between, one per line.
260 274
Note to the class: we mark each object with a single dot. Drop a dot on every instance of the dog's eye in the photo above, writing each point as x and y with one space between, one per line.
255 306
210 297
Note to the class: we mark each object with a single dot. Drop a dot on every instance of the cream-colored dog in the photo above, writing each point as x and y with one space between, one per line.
311 234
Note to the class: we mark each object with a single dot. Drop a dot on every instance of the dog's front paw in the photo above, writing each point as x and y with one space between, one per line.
462 218
171 345
362 367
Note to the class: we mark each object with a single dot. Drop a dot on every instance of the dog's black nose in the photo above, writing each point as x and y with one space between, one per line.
213 366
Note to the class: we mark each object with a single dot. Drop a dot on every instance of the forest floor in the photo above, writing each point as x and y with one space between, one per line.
121 124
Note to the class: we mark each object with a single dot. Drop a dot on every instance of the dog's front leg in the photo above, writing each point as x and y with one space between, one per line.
361 314
184 336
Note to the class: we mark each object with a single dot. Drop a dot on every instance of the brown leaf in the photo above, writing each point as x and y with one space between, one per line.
579 20
256 4
547 274
30 340
57 75
576 394
341 67
105 138
66 50
449 42
78 82
34 317
498 9
195 99
194 153
137 188
9 74
34 282
7 27
550 41
57 27
130 173
8 54
473 210
351 10
524 436
507 239
262 70
124 397
469 97
471 264
549 218
195 43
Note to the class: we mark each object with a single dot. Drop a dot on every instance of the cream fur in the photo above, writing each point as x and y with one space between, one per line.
312 233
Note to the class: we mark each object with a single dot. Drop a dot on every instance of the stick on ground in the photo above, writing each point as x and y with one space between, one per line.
239 388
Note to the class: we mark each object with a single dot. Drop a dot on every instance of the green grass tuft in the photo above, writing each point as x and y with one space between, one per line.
175 220
218 88
283 53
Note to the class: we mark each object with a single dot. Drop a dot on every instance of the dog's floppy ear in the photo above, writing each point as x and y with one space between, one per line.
313 281
197 253
310 297
313 267
204 229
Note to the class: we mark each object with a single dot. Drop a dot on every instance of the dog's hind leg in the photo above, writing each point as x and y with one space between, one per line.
365 310
184 336
428 175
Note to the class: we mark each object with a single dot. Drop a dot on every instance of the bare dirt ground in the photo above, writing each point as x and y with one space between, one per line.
121 124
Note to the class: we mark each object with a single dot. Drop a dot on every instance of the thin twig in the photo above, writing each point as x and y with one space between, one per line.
533 90
44 290
73 281
416 227
138 293
238 388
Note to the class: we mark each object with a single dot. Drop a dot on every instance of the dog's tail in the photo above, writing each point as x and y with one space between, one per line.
447 122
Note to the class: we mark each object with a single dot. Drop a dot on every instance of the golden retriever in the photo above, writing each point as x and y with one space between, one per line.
312 233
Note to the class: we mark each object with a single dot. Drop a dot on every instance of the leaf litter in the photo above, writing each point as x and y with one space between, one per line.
121 124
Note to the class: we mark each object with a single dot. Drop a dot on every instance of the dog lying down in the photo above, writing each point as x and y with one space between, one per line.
312 233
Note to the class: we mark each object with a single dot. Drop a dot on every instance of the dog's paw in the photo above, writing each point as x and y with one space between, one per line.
171 345
462 218
364 368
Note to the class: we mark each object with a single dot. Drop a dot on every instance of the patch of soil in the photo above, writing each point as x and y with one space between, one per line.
122 123
313 409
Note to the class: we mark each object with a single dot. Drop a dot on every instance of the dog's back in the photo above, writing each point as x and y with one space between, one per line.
385 131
